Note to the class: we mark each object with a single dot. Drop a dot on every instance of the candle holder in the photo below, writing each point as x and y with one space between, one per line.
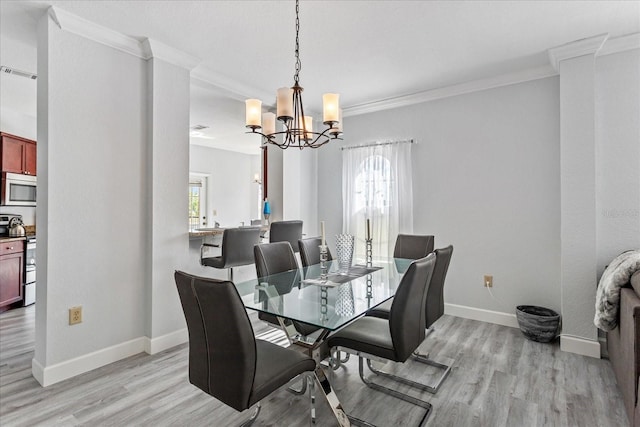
369 289
369 250
324 299
324 258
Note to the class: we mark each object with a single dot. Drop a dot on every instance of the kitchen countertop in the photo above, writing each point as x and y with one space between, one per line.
11 239
203 232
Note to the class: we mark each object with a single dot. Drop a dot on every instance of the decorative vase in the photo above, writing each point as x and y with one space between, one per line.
344 302
344 249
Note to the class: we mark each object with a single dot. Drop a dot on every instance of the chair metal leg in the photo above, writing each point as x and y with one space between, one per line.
250 421
419 386
394 393
303 387
312 397
424 358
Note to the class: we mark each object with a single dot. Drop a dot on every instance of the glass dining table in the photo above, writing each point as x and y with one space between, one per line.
325 299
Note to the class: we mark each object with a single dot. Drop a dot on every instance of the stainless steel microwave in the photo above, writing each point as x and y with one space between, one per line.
18 190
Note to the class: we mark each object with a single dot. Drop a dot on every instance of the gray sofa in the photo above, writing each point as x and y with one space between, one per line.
623 344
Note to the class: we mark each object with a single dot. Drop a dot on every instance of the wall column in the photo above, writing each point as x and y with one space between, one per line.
576 65
168 79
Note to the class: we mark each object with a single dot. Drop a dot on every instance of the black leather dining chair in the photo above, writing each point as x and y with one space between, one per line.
413 246
434 309
226 361
286 231
310 251
237 249
408 246
396 338
274 258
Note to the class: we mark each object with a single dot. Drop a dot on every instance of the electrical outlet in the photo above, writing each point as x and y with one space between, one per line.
75 315
488 281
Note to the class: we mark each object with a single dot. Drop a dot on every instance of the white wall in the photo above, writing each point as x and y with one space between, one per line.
617 155
91 208
486 180
300 195
231 190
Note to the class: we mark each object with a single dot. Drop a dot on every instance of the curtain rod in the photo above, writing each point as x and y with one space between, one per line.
375 144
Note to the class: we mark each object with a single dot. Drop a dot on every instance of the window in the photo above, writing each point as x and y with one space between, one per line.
197 201
376 185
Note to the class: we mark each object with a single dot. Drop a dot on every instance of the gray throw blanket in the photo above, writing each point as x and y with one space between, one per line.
615 276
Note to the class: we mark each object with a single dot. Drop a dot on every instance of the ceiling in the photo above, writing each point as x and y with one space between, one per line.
365 50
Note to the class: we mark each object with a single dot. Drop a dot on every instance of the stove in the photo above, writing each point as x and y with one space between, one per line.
29 291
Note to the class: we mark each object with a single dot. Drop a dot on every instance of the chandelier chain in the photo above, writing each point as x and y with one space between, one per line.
298 63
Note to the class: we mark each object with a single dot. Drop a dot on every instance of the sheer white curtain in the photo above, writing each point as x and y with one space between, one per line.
376 184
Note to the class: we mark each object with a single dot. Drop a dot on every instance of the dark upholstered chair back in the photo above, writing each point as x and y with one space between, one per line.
237 245
310 251
222 347
413 246
274 258
407 316
286 231
435 295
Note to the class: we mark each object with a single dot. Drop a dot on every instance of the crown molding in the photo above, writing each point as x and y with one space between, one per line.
155 49
621 44
74 24
453 90
145 49
588 46
233 88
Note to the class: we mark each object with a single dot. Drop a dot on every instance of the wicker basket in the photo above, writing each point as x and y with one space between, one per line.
538 323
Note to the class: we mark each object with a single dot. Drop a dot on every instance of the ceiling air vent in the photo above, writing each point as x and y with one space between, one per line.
9 70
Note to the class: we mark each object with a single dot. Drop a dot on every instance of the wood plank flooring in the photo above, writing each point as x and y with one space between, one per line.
498 379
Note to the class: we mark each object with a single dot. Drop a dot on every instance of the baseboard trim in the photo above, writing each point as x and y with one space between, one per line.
52 374
48 375
489 316
579 345
156 345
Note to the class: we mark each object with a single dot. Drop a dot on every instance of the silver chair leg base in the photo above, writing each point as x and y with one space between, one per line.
419 386
424 358
250 421
303 387
426 405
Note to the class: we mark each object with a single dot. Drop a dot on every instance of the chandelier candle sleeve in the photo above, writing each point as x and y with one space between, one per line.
253 113
284 103
308 128
331 107
269 123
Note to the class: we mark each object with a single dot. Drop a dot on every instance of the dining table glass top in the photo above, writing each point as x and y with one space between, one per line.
305 295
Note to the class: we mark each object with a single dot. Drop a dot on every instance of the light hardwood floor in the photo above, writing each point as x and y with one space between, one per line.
498 379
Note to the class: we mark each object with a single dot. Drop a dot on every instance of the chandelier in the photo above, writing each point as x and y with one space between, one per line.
298 128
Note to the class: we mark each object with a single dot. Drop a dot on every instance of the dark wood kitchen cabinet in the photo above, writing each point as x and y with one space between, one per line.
11 271
18 154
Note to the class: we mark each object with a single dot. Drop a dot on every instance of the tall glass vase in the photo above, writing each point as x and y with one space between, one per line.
345 244
344 302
